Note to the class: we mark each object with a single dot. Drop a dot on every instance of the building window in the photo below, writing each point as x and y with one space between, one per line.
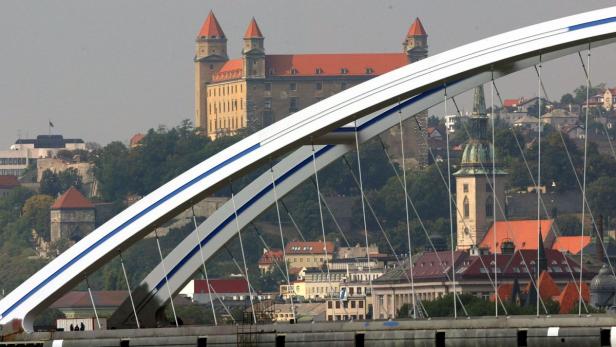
466 207
465 188
369 71
293 87
268 86
488 187
318 71
293 71
319 86
293 104
337 304
329 304
352 303
344 71
489 207
268 103
211 66
361 304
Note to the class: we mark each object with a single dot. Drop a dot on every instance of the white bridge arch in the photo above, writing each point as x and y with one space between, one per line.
421 83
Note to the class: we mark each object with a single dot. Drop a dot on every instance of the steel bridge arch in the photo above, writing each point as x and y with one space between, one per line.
504 54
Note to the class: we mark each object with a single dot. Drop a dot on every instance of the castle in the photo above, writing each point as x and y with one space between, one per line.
259 89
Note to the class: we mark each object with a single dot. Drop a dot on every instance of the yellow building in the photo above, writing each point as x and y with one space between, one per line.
259 89
308 254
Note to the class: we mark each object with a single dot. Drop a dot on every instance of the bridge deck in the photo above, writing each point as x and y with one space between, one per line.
567 330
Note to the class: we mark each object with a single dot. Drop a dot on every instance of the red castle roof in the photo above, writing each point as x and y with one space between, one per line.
571 244
72 199
211 28
568 298
253 30
417 29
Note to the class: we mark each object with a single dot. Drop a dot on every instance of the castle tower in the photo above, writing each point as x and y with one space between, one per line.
210 56
253 52
415 44
72 217
474 197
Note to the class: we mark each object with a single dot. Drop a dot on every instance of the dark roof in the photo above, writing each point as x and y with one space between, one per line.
48 141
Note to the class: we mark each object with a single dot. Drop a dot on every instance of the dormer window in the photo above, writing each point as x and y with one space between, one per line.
318 71
344 71
293 71
369 71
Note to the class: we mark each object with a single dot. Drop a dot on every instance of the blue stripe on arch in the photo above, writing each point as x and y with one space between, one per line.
128 222
592 23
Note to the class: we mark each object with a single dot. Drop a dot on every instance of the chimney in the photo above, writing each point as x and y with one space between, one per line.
598 245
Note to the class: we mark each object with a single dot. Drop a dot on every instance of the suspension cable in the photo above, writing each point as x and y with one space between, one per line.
545 210
584 179
239 234
494 188
448 185
207 279
162 261
130 293
363 209
284 253
316 178
98 321
380 226
406 212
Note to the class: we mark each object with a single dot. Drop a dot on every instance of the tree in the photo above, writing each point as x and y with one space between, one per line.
601 195
53 184
36 213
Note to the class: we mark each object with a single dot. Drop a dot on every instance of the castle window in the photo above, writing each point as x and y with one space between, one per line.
489 207
344 71
319 86
466 207
369 71
488 187
293 86
465 188
292 104
211 66
268 86
318 71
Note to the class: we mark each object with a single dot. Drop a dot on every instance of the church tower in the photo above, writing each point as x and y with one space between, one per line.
253 52
415 44
210 56
474 197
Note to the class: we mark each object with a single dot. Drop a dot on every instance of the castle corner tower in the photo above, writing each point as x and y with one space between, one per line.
474 198
415 44
210 56
253 52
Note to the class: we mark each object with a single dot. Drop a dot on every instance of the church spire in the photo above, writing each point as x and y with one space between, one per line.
479 102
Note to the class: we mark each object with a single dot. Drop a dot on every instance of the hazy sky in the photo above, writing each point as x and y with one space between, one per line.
103 70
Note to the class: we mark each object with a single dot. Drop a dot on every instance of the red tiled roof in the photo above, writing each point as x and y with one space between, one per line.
504 292
568 298
356 64
72 199
211 28
222 286
314 247
523 233
511 102
571 244
135 139
231 70
271 256
8 182
547 287
416 29
253 30
81 299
